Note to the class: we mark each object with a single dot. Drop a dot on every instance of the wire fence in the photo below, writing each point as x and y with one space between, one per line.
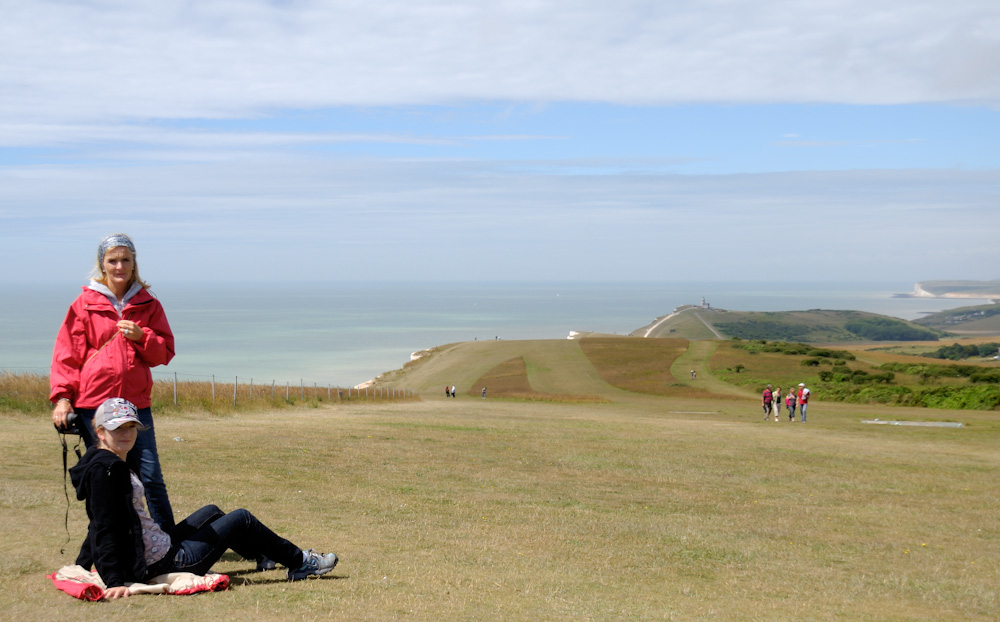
28 390
248 391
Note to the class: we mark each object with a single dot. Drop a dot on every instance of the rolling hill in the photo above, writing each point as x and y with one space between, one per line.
977 320
813 326
616 369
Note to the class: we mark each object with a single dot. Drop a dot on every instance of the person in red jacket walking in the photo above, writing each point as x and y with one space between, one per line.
803 399
114 332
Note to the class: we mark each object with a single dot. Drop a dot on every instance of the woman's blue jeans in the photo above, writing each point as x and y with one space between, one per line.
238 530
145 460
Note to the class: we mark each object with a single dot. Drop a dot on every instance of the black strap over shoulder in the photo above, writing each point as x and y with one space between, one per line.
65 461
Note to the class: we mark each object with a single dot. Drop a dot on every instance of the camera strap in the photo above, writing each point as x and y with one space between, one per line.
65 452
98 350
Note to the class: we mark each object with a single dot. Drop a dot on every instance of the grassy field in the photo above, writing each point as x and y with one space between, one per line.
680 505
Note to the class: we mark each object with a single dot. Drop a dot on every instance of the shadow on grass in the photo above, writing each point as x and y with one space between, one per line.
244 577
236 579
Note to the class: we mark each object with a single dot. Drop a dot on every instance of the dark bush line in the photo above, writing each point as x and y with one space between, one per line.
957 352
796 349
951 397
889 329
762 329
927 371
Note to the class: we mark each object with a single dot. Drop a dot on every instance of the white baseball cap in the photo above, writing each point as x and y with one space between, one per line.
114 412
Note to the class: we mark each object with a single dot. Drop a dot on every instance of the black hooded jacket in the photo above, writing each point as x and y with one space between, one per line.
114 537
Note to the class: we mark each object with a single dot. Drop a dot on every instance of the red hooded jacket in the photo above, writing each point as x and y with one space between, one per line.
92 361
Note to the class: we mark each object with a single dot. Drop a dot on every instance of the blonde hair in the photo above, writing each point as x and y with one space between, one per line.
99 276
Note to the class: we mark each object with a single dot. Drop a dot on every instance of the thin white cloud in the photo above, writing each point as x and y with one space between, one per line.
34 134
387 220
152 136
142 59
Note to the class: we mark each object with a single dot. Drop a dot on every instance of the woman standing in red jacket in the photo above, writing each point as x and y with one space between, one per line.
114 332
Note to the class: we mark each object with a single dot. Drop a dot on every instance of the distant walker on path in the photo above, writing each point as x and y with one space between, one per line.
803 401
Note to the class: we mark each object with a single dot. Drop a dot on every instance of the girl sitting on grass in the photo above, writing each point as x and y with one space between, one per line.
126 546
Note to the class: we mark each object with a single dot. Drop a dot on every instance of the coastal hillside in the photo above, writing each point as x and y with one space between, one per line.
618 369
813 326
977 320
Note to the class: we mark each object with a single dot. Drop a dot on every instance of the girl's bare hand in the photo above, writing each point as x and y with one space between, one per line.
113 593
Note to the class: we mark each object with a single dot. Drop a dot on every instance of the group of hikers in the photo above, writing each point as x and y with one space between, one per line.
771 402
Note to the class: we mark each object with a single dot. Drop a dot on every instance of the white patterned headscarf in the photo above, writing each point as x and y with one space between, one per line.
114 241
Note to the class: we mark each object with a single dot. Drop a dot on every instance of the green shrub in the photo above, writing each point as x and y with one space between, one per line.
980 397
992 377
761 329
831 354
889 329
957 352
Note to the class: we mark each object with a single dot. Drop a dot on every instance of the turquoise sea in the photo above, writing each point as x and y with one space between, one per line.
345 334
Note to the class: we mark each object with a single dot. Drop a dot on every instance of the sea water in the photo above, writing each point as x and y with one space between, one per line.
344 334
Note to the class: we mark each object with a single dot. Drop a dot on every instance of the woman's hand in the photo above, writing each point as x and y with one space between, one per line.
113 593
62 408
130 329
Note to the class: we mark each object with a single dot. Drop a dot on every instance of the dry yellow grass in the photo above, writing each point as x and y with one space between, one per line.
640 365
477 509
509 380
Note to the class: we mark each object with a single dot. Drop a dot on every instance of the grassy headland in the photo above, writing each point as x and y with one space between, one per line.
812 326
980 319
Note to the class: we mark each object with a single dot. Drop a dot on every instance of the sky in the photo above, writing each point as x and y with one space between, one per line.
293 141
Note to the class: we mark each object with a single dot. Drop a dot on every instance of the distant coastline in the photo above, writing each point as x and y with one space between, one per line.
968 290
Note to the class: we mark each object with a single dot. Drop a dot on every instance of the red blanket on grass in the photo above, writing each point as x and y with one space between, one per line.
85 584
